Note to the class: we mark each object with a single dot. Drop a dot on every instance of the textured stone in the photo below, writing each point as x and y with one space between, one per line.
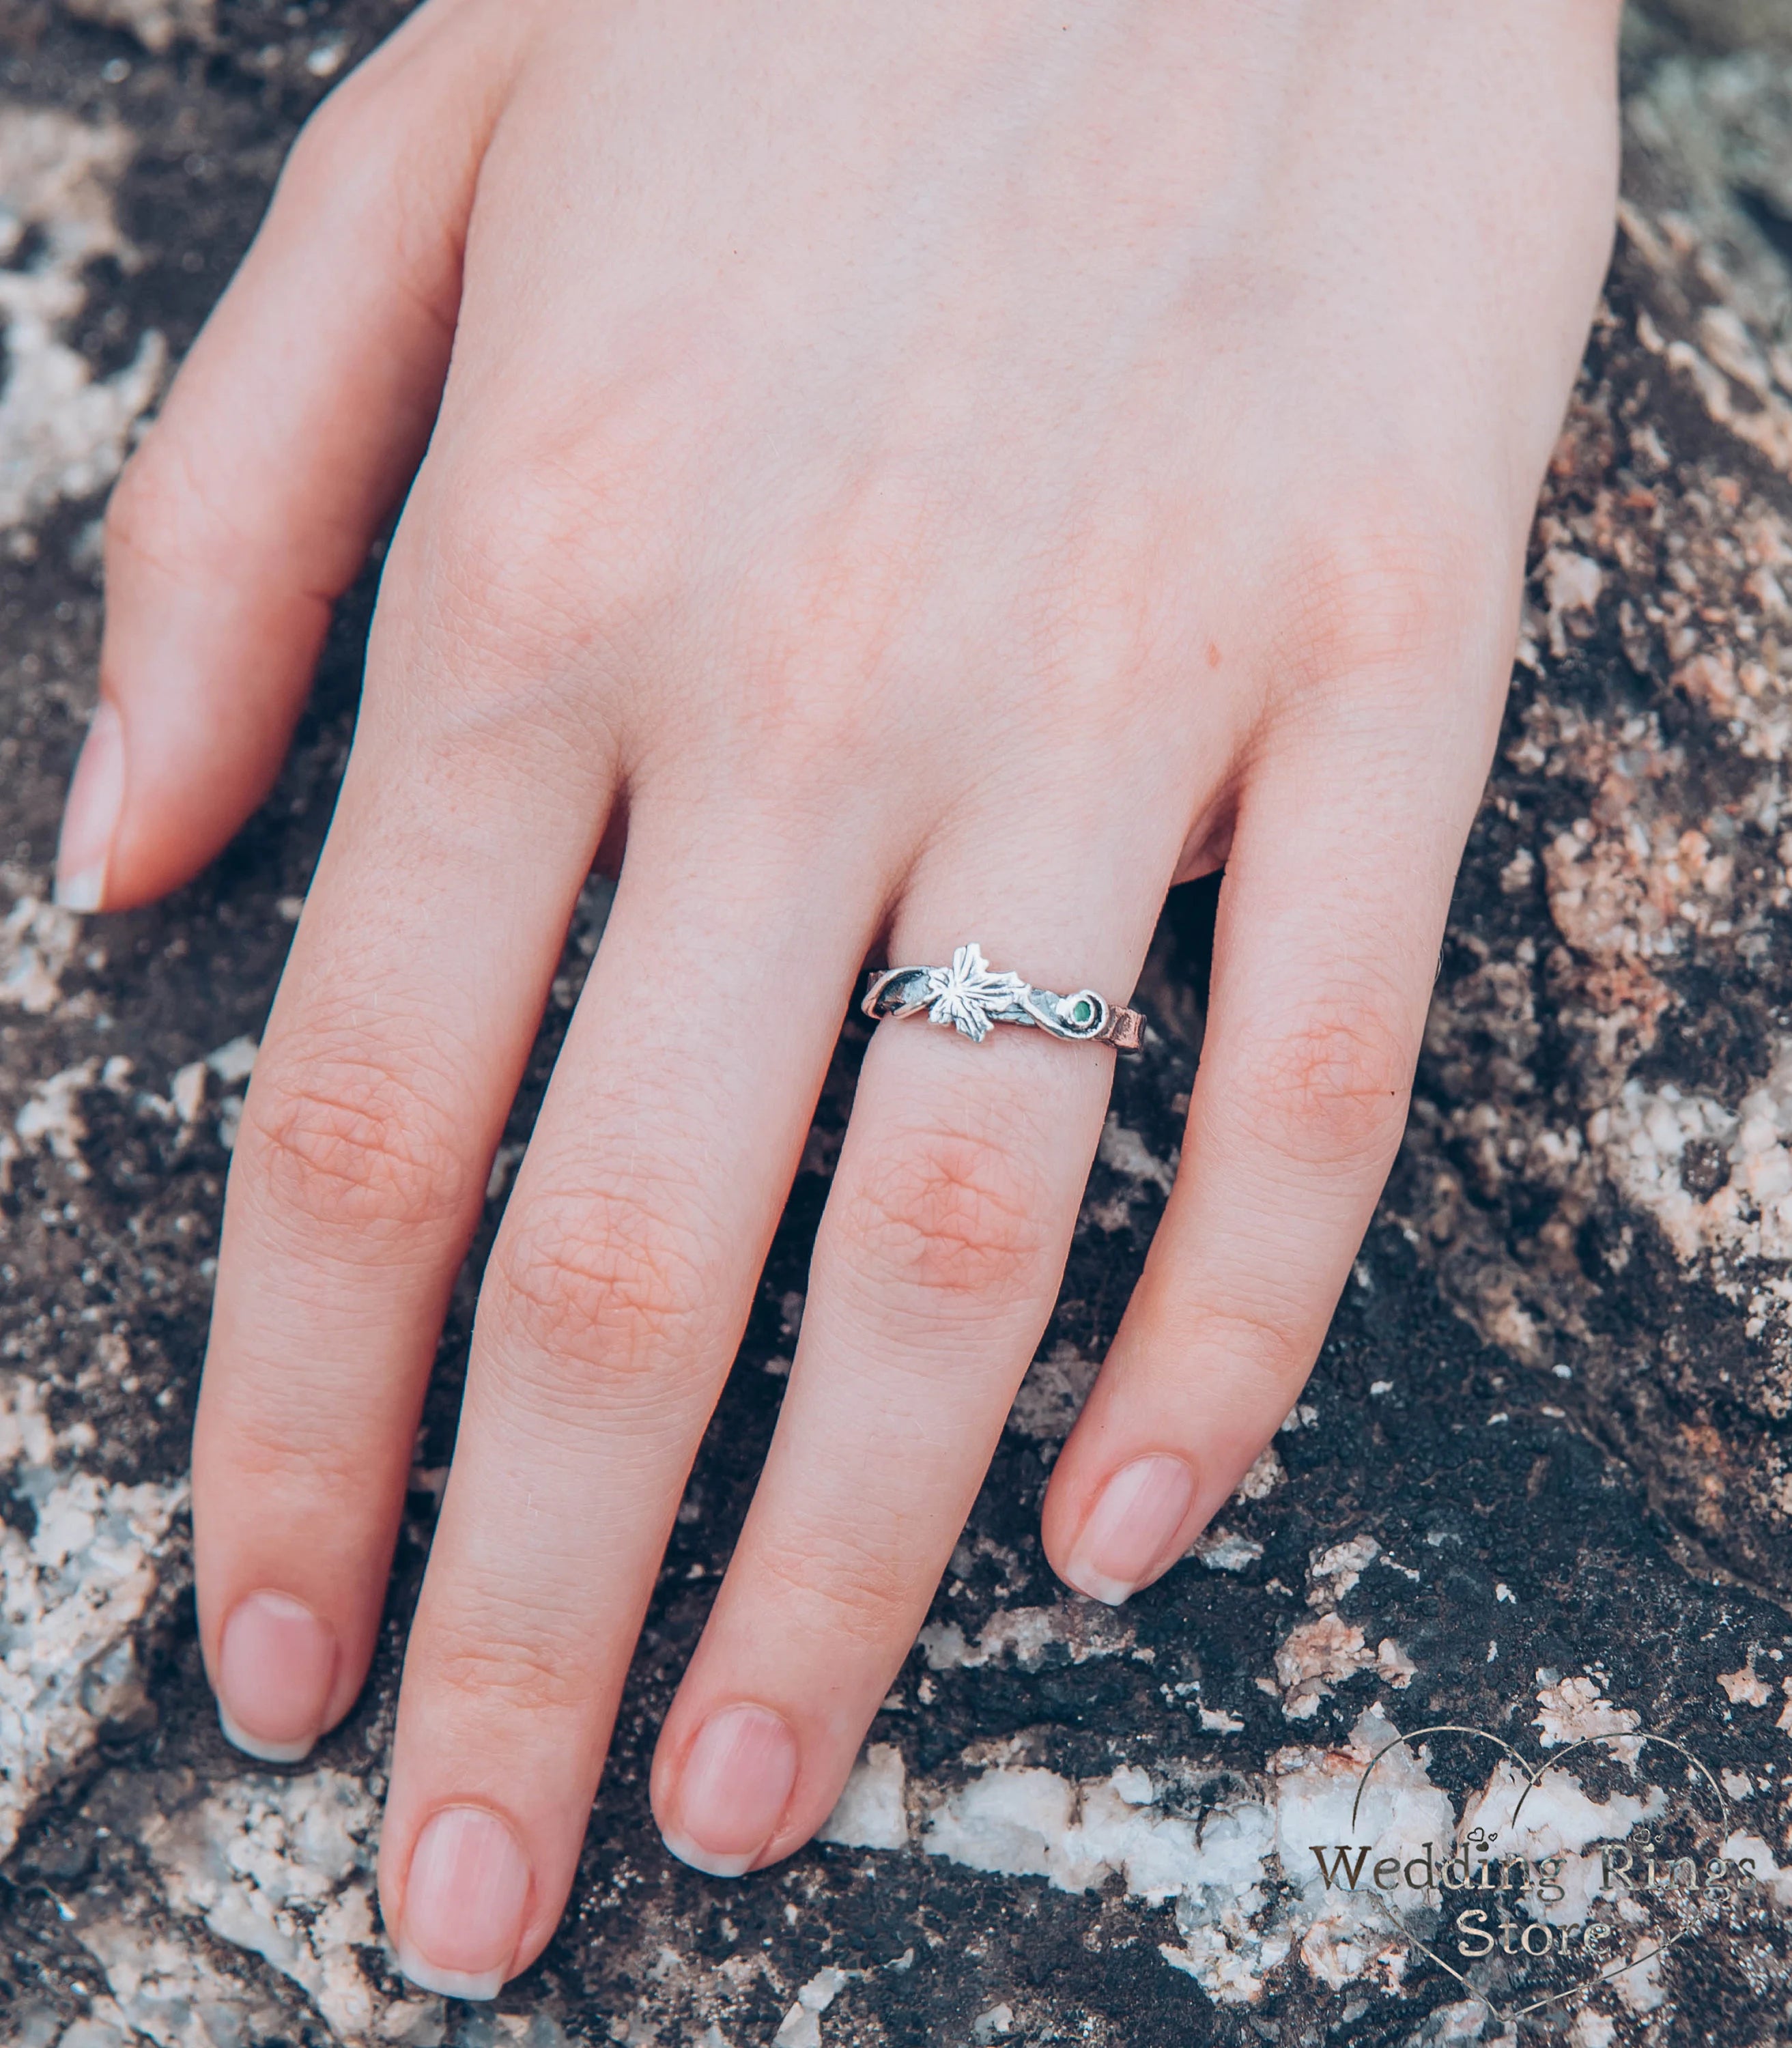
157 24
1539 1485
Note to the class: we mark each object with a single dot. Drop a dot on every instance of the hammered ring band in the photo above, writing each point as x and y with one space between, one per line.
969 997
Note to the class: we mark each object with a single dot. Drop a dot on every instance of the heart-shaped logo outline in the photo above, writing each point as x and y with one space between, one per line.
1532 1777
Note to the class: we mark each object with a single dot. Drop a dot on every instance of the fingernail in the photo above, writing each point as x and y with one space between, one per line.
733 1790
276 1663
1134 1530
465 1904
91 816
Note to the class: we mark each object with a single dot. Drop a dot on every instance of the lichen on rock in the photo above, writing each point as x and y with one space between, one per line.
63 432
1540 1483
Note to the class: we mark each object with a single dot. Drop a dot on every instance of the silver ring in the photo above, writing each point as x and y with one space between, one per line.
969 997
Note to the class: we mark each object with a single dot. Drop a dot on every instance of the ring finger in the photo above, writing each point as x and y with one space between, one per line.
935 1271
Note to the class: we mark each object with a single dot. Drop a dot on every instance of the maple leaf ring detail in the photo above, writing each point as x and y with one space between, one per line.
971 997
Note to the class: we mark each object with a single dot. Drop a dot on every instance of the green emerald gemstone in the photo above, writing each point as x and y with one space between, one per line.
1082 1010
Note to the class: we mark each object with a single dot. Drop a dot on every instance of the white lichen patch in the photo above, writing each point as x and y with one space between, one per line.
1574 1710
1127 1152
1319 1655
1020 1821
1248 1868
1557 1817
1746 1688
1071 1633
1591 2029
1225 1550
1051 1397
871 1812
186 1091
801 2025
1393 1666
1640 1986
158 25
277 1869
234 1061
1215 1862
1717 1181
63 432
1774 1878
49 1119
1571 584
36 942
51 1116
1267 1473
1347 1935
170 1993
1645 1135
283 1867
1335 1570
71 1595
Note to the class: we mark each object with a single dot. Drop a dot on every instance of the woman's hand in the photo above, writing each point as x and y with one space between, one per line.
919 474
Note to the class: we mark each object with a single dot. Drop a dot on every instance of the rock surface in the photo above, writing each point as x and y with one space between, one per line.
1540 1485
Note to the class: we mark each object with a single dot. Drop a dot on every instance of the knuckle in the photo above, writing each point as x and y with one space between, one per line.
1369 599
836 621
345 1140
349 136
1332 1089
828 1584
1265 1339
140 498
804 717
479 1658
365 173
948 1211
602 1279
502 566
1251 1329
492 654
289 1453
158 512
322 145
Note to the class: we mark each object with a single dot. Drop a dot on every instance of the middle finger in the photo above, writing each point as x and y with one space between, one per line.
613 1304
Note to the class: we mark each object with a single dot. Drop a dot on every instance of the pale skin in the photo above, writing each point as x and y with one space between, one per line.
904 475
